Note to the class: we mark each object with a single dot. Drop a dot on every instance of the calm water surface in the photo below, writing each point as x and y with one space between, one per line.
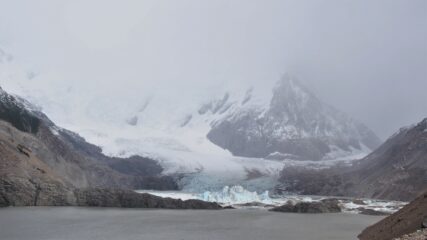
66 223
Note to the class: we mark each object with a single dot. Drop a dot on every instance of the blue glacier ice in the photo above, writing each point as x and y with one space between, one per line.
235 195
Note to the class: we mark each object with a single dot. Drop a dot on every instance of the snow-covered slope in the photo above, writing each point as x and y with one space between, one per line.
196 135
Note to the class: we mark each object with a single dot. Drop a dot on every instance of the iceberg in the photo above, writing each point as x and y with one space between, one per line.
235 195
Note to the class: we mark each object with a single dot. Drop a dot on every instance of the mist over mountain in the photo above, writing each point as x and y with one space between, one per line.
369 67
249 129
256 108
151 93
282 119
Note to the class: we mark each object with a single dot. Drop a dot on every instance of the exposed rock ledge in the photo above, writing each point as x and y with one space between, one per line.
323 206
52 195
131 199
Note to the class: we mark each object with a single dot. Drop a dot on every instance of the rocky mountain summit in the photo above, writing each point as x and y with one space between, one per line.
295 124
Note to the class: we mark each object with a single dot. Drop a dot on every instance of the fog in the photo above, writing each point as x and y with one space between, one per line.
367 58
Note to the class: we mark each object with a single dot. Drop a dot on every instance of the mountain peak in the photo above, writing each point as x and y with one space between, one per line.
289 92
292 83
295 123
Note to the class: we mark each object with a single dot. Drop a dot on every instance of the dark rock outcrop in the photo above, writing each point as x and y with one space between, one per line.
130 199
407 220
29 192
14 111
324 206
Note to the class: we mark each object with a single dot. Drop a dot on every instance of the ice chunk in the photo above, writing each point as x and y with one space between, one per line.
235 195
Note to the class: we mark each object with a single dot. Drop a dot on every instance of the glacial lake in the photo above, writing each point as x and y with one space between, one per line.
69 223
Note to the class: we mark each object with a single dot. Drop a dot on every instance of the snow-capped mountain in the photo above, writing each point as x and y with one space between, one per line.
236 138
294 124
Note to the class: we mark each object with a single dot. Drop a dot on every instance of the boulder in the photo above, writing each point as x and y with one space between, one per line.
331 204
359 202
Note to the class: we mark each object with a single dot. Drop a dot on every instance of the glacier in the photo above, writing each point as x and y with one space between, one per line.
171 130
228 195
240 197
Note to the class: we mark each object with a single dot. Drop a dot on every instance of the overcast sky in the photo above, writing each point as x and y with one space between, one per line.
367 58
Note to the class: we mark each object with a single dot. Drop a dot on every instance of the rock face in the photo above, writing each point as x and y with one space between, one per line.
130 199
296 124
407 220
41 164
324 206
26 180
397 170
14 111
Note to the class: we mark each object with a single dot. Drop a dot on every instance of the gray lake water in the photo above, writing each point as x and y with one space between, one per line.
66 223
